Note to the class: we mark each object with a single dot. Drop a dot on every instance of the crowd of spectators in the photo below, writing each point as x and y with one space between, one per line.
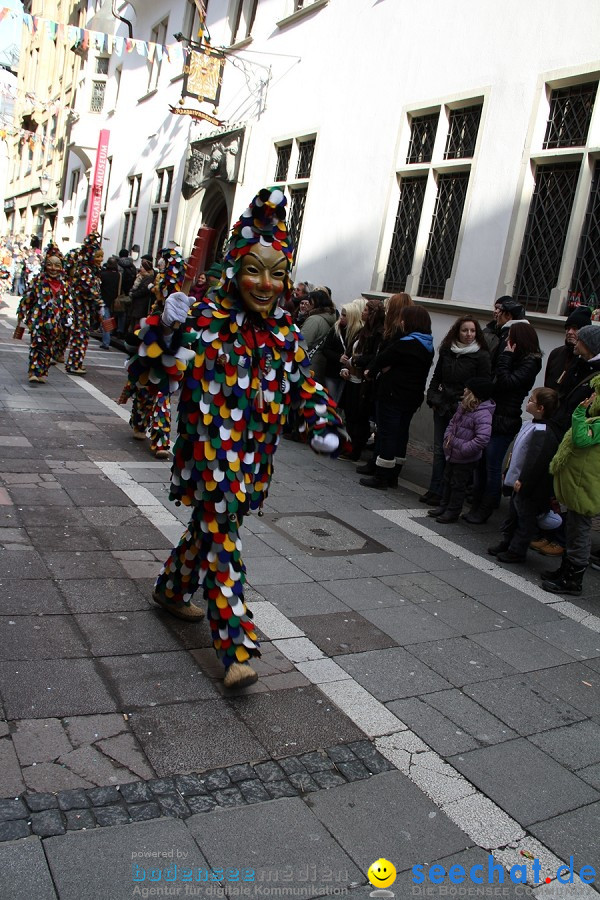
375 358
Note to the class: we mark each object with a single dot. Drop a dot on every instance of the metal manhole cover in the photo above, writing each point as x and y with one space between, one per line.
323 535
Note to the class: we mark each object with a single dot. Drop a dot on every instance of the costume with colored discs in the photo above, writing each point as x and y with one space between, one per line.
87 303
150 411
241 366
46 308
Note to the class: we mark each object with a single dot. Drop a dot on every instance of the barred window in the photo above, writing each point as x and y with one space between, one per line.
284 153
160 211
422 138
570 115
443 236
306 151
130 215
102 65
545 234
97 98
402 251
296 213
586 277
463 126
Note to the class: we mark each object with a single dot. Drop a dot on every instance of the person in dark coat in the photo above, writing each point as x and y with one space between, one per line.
466 437
509 311
359 394
528 477
562 359
576 386
463 355
516 370
142 294
400 371
127 269
109 291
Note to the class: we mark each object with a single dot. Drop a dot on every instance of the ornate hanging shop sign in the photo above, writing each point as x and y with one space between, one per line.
196 114
203 75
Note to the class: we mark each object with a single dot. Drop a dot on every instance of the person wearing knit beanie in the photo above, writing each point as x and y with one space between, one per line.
588 342
242 366
561 359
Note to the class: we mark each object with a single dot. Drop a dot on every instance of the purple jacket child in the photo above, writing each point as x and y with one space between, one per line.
469 433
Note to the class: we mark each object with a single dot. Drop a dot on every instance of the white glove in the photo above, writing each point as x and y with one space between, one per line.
327 444
177 307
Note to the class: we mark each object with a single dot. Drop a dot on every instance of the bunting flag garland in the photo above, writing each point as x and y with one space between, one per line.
96 40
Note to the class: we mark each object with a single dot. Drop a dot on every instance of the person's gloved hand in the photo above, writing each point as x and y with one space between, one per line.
177 307
326 444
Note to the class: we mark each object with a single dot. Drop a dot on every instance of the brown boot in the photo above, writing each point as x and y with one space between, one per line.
188 612
239 675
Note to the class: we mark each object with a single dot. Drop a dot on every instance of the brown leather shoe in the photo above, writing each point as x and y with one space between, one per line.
186 611
239 675
161 454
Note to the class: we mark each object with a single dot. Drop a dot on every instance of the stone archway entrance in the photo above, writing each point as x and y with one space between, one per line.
214 214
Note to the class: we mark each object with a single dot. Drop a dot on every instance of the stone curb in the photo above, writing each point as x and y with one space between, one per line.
181 796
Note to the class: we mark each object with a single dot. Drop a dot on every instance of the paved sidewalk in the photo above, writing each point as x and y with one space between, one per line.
416 702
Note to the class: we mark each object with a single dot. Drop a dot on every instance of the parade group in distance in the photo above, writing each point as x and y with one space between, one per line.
253 361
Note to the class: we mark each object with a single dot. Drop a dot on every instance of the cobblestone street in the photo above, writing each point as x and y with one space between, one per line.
417 701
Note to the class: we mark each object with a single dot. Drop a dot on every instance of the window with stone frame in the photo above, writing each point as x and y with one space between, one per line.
432 190
293 167
560 242
130 214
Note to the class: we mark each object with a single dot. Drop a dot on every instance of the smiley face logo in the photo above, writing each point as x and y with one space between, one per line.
381 873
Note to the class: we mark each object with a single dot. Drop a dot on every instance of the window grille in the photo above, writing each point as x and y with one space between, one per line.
102 65
570 115
283 162
306 151
97 100
422 137
412 192
586 277
296 214
545 233
463 125
443 237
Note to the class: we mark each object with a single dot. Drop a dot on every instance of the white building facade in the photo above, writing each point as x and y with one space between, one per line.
449 150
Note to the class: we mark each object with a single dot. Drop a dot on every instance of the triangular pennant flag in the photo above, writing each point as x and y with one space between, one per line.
151 51
129 44
142 48
119 44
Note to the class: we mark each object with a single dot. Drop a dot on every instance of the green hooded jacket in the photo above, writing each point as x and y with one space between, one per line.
576 465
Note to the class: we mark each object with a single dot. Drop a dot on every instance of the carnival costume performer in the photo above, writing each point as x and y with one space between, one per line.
46 308
151 411
241 365
87 303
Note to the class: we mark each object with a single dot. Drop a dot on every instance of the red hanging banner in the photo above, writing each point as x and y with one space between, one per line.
95 204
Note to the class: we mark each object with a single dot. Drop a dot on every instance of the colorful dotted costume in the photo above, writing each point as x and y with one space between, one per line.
87 303
46 309
239 375
150 411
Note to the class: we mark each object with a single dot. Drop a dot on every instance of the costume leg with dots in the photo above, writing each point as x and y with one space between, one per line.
210 551
141 410
38 365
160 423
77 347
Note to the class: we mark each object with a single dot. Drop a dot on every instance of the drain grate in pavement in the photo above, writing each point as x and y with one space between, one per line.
321 534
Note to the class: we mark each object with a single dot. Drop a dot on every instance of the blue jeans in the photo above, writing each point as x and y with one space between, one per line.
440 423
393 426
488 481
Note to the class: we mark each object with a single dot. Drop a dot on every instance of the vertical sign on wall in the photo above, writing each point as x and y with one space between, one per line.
95 204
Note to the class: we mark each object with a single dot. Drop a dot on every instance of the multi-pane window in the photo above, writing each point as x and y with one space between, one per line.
586 278
463 127
158 35
422 138
570 115
306 151
160 210
545 234
296 213
284 153
294 160
97 97
191 22
130 215
412 192
74 182
443 236
242 19
102 65
431 200
560 240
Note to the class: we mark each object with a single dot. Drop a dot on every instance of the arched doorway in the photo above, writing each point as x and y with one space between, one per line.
215 214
